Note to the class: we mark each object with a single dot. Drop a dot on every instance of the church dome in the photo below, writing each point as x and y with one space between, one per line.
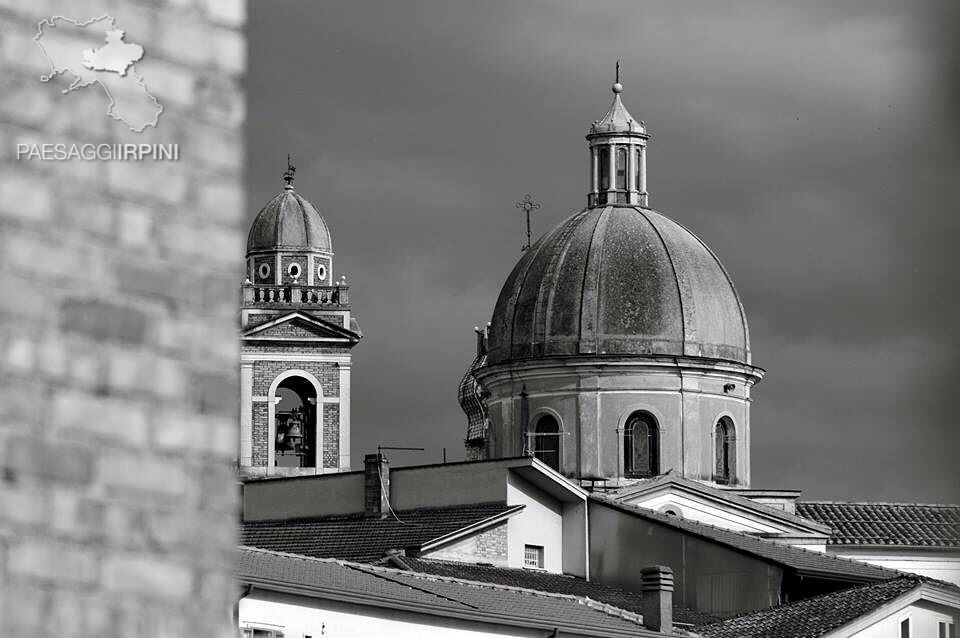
289 222
618 280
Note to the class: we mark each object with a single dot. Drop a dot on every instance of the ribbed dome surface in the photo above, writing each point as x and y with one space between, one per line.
289 221
618 281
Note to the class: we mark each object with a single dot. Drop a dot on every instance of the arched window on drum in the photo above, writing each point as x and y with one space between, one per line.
641 446
725 451
546 441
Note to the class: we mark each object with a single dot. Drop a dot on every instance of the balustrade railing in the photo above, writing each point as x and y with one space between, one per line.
255 294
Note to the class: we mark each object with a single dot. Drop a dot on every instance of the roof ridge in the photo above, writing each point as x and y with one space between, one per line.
595 604
444 561
360 515
892 503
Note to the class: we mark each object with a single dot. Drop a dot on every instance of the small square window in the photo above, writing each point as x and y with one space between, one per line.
533 556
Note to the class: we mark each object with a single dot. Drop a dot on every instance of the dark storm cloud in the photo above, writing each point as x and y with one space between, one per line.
808 144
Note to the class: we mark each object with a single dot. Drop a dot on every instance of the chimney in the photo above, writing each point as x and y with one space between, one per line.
657 589
376 485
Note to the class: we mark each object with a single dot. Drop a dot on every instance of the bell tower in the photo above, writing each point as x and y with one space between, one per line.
297 333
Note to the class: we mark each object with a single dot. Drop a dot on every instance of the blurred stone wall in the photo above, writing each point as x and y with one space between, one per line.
118 335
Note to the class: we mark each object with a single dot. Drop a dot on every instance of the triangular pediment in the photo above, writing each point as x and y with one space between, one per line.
297 326
714 506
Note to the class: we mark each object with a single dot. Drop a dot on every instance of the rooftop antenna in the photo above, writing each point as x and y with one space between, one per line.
527 205
289 173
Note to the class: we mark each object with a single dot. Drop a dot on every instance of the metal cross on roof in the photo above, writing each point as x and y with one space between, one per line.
289 173
527 204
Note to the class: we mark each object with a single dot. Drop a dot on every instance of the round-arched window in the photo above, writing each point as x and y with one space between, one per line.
725 451
641 446
545 443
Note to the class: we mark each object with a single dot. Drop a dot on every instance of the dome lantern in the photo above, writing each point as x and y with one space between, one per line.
618 156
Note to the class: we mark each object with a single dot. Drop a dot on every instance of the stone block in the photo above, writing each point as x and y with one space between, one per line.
48 461
46 257
76 516
20 506
220 198
41 559
79 415
231 13
22 198
217 394
141 178
21 297
23 608
134 225
20 354
102 320
169 82
132 476
230 51
147 574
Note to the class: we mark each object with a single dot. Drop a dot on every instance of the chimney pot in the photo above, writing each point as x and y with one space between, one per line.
656 585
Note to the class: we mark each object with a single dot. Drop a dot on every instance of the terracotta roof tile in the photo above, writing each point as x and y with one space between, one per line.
362 538
816 616
902 524
543 581
378 586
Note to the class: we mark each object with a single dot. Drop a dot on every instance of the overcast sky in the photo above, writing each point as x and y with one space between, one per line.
811 145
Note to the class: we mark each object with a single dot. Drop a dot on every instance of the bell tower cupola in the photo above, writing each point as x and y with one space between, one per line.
297 333
618 156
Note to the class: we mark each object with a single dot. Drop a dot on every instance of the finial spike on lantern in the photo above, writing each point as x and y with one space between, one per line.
289 173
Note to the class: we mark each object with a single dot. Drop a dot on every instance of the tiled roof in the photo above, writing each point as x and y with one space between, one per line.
802 560
902 524
815 616
362 538
435 595
541 581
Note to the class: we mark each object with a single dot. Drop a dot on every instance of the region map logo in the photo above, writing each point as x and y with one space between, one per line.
94 52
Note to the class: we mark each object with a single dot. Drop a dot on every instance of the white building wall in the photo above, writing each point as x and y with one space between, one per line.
300 616
702 510
924 619
540 523
935 565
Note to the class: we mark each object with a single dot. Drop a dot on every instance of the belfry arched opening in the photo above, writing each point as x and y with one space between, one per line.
295 418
